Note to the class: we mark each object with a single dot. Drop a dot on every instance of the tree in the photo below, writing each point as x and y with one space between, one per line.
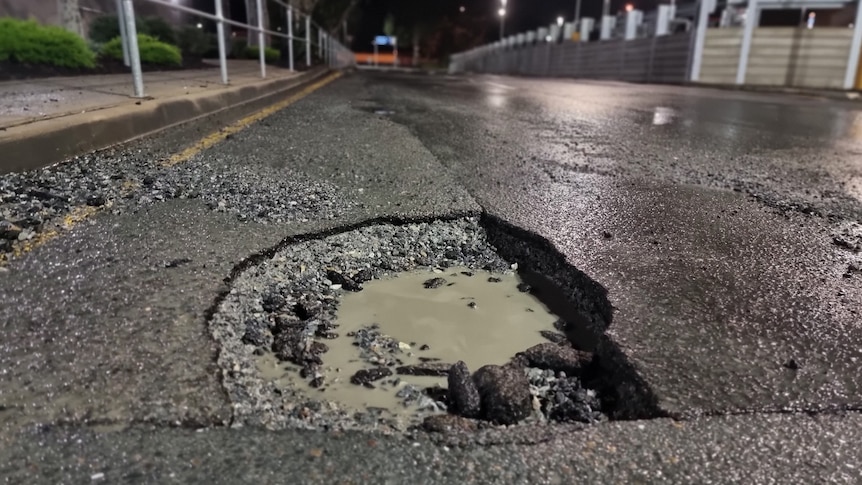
251 15
305 6
70 16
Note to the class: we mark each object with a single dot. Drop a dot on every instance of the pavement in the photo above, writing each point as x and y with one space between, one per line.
720 224
44 121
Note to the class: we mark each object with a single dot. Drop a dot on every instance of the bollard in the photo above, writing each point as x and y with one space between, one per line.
290 36
222 48
134 54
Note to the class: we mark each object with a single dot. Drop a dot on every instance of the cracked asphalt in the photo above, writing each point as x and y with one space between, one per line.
713 219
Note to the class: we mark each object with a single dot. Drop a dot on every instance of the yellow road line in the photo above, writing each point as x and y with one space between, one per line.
81 213
75 216
240 125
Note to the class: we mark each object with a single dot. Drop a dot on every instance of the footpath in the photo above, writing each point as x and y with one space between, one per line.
44 121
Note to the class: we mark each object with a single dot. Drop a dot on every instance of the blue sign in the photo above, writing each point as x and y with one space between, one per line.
382 40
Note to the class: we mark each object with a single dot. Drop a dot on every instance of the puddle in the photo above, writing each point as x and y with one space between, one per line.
474 316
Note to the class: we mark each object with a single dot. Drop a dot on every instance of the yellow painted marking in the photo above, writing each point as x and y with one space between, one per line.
81 213
75 216
240 125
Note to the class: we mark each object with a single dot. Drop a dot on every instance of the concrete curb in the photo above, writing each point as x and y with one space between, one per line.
43 143
838 95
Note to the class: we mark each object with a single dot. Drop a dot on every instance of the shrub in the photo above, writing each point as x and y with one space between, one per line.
238 48
152 50
27 42
158 28
106 27
270 54
194 42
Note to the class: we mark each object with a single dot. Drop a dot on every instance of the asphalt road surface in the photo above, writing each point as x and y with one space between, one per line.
725 227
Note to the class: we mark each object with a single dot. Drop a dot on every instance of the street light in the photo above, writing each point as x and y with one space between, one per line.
559 21
502 13
629 7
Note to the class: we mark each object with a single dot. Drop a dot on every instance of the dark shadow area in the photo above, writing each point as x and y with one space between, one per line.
583 303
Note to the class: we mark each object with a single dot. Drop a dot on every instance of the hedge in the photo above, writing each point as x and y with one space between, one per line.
106 27
152 50
270 54
28 42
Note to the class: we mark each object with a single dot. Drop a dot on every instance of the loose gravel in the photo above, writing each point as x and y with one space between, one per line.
126 181
288 305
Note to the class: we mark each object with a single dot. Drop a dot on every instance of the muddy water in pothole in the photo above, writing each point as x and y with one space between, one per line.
469 318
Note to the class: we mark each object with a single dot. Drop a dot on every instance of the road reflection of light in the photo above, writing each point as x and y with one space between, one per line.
496 100
663 115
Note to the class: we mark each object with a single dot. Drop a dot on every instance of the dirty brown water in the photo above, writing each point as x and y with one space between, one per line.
503 322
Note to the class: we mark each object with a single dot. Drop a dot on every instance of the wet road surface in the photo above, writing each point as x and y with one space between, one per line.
710 217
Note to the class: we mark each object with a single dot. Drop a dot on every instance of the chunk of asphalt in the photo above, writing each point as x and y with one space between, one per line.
505 394
555 357
347 283
365 377
434 369
434 283
463 395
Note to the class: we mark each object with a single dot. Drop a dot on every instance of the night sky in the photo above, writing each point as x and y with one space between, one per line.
481 15
522 15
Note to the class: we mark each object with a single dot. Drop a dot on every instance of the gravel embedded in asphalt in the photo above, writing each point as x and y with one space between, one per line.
125 181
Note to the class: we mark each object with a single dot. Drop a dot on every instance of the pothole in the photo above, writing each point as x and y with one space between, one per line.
393 326
399 337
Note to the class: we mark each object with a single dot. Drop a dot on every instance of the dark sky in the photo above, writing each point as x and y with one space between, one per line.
522 15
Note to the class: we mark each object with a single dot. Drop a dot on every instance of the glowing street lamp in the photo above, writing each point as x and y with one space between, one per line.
629 7
559 21
502 13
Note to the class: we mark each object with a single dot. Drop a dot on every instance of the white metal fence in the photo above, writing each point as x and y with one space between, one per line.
332 52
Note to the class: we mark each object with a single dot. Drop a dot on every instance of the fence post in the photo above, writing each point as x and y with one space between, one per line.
124 36
308 41
855 46
699 39
752 18
290 36
260 39
134 54
222 47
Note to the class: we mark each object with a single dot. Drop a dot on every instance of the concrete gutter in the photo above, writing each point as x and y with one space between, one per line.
45 142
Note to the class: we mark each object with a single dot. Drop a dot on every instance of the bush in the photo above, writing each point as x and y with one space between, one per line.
107 27
270 54
158 28
104 28
195 43
152 50
238 48
27 42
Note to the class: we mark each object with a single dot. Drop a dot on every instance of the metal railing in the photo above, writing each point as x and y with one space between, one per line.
332 52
